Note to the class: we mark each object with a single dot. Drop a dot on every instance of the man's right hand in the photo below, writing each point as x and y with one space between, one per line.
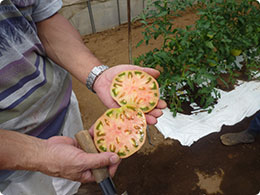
62 158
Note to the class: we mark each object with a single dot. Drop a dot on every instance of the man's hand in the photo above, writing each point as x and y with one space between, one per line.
102 88
64 159
58 156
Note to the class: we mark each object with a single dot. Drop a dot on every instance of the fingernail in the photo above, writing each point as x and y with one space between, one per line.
114 159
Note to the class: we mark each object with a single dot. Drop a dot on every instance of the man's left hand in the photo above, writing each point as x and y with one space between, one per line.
102 88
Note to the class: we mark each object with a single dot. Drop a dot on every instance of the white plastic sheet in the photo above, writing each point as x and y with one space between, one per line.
232 107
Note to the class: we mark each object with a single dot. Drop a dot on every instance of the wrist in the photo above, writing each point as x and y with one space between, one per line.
35 159
93 75
19 151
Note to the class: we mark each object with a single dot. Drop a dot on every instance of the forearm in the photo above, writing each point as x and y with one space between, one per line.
19 151
63 44
57 156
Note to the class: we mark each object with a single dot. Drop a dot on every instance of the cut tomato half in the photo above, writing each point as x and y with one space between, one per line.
135 87
120 130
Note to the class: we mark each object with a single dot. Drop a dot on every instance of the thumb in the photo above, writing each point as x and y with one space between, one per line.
103 159
151 71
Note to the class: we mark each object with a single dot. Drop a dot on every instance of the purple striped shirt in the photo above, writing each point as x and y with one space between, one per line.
34 92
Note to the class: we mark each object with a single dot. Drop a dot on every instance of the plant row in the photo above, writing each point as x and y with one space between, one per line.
197 60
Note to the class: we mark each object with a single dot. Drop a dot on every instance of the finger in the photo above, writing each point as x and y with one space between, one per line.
114 104
103 159
151 120
156 113
161 104
153 72
69 140
62 140
87 177
91 130
112 169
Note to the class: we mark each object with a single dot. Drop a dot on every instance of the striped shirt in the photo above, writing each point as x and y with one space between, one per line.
34 92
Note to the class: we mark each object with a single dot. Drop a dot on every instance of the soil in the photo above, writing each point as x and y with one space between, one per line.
164 166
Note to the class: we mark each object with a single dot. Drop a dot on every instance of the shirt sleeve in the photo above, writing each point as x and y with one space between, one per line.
45 8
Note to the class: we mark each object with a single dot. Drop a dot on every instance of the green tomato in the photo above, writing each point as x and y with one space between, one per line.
236 52
209 35
212 64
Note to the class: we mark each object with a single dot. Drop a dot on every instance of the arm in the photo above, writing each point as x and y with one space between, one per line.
63 44
57 156
19 151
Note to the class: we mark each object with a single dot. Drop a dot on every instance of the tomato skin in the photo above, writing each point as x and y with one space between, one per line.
236 52
120 130
135 87
212 64
209 35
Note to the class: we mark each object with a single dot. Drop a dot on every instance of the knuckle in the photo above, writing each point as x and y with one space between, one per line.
86 177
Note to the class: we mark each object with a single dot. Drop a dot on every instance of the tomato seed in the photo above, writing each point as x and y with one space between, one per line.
130 75
134 143
100 140
114 92
112 148
154 86
128 131
122 95
144 108
102 148
118 80
126 148
100 124
123 101
152 103
109 113
149 79
121 153
138 72
117 140
99 134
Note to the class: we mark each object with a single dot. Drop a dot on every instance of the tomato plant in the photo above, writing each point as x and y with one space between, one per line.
192 60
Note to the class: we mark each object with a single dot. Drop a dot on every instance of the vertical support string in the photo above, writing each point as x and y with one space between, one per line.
129 32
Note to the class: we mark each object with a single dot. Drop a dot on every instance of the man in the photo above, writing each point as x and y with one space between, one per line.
37 105
243 137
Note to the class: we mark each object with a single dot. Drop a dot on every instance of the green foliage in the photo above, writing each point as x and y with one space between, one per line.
192 60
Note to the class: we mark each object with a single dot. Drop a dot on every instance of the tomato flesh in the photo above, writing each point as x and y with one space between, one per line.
135 87
120 130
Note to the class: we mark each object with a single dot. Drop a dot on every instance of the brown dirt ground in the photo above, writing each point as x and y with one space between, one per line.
167 167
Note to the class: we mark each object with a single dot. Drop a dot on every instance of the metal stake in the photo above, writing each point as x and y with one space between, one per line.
91 17
129 31
149 136
118 11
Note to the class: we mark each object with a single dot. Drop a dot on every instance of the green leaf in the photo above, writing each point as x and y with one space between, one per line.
139 43
209 44
191 85
164 13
